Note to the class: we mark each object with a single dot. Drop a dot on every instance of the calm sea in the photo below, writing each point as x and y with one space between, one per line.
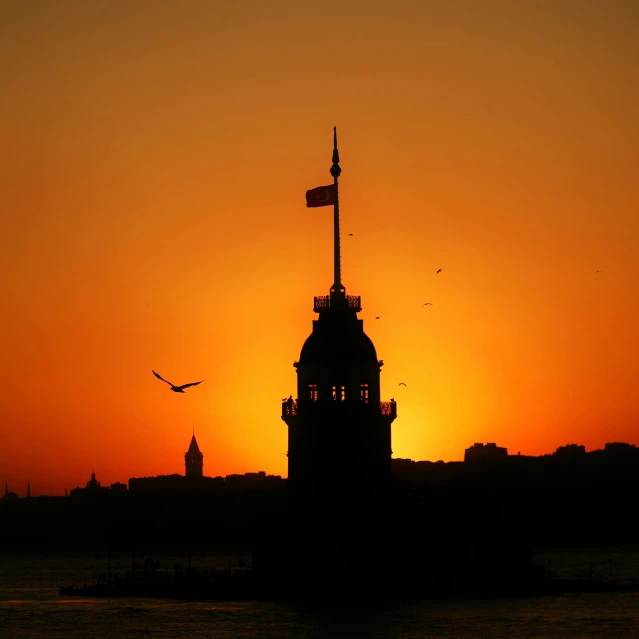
31 607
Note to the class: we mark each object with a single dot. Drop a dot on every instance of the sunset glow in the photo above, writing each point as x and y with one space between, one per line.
155 161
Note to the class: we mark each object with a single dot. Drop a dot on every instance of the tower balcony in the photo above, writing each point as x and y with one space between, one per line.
389 408
324 303
292 408
289 408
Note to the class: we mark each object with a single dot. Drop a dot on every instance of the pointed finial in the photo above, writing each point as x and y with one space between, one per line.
335 169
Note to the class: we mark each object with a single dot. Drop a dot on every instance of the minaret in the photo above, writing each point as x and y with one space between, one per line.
194 460
28 490
339 430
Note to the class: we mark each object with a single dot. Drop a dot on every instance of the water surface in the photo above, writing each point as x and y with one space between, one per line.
31 607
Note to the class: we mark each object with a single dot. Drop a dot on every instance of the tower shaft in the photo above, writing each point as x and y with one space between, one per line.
337 289
337 274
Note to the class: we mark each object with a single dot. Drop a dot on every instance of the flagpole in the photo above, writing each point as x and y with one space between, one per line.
335 172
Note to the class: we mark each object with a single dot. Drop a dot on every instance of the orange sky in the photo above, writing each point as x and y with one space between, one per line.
154 161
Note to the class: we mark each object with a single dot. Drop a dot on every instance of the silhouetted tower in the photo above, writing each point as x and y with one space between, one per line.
194 460
7 495
28 489
339 432
93 483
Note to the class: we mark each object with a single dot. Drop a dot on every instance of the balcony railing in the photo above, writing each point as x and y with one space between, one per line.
389 408
323 303
291 408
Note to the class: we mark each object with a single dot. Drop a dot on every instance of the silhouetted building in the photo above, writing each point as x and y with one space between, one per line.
488 452
252 481
174 484
339 446
620 448
194 460
178 484
118 487
7 495
570 451
92 488
339 432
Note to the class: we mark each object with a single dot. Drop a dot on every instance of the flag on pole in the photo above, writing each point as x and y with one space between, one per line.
321 196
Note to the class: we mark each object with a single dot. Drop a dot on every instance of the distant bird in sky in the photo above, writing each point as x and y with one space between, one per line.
438 271
174 388
350 234
401 384
597 272
427 304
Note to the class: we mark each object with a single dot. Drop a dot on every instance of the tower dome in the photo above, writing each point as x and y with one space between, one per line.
347 344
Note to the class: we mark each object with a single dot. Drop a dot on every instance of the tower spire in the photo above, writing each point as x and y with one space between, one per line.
193 459
337 288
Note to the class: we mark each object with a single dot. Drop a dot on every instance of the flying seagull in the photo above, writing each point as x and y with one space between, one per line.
377 317
597 272
427 304
401 384
350 234
174 388
438 271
